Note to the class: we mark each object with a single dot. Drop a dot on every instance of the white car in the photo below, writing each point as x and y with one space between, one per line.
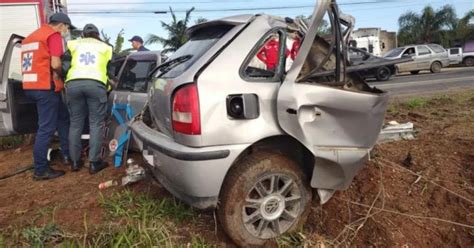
432 57
458 55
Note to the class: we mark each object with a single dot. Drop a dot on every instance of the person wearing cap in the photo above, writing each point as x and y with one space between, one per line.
86 91
41 70
137 44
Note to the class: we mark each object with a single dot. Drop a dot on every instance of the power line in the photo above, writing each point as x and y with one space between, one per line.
224 9
210 1
195 11
138 11
133 3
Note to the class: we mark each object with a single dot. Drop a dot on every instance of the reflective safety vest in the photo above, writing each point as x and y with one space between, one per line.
36 61
89 59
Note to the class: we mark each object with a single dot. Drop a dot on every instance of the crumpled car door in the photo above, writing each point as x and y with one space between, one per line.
336 123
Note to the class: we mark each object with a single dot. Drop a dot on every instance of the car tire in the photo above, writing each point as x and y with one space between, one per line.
251 210
383 73
436 67
469 61
414 72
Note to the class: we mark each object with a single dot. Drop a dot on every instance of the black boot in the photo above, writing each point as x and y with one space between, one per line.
48 174
95 167
76 166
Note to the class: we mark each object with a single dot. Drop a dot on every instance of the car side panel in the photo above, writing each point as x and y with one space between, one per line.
455 55
423 61
407 66
221 79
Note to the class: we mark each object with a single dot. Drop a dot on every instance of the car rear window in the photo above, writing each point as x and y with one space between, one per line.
437 48
200 42
423 50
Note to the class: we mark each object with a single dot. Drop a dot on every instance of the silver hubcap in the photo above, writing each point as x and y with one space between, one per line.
272 206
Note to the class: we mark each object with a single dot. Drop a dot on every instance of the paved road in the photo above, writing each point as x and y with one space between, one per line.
425 83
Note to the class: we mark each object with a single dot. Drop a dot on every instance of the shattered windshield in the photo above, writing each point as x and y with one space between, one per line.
200 42
394 53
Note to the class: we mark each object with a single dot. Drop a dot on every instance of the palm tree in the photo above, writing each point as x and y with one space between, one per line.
464 31
200 20
176 33
426 27
117 44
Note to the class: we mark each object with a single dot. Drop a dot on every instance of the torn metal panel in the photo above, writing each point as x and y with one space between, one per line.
335 168
338 116
325 195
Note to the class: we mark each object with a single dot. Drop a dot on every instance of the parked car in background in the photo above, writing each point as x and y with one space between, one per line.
459 55
432 57
360 57
256 140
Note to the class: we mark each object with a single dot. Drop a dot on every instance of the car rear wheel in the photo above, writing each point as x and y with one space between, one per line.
414 72
436 67
469 61
383 74
263 196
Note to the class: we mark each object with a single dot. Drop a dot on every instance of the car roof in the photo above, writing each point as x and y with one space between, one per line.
145 55
232 20
426 44
236 20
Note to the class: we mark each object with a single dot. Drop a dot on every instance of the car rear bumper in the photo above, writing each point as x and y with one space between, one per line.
193 174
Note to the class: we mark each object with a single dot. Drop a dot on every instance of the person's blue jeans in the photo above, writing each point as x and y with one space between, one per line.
86 98
52 115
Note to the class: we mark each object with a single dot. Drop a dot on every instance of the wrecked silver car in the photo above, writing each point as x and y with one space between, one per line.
234 123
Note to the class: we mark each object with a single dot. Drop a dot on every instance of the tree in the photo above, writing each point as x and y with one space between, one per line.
105 37
200 20
464 31
323 29
118 44
426 27
176 33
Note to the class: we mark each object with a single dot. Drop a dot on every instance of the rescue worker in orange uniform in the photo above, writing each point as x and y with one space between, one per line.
296 45
41 69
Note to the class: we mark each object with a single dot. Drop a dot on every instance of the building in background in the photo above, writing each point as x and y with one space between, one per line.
24 16
374 40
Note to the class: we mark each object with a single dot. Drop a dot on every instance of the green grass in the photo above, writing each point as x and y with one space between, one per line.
150 234
39 236
416 102
148 221
10 142
292 240
128 204
133 220
199 242
2 241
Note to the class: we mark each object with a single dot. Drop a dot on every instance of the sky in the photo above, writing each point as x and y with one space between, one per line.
368 13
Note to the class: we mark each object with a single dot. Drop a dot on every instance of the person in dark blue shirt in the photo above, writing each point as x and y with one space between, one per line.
137 44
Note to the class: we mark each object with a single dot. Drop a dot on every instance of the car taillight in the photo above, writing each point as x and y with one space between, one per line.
186 116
